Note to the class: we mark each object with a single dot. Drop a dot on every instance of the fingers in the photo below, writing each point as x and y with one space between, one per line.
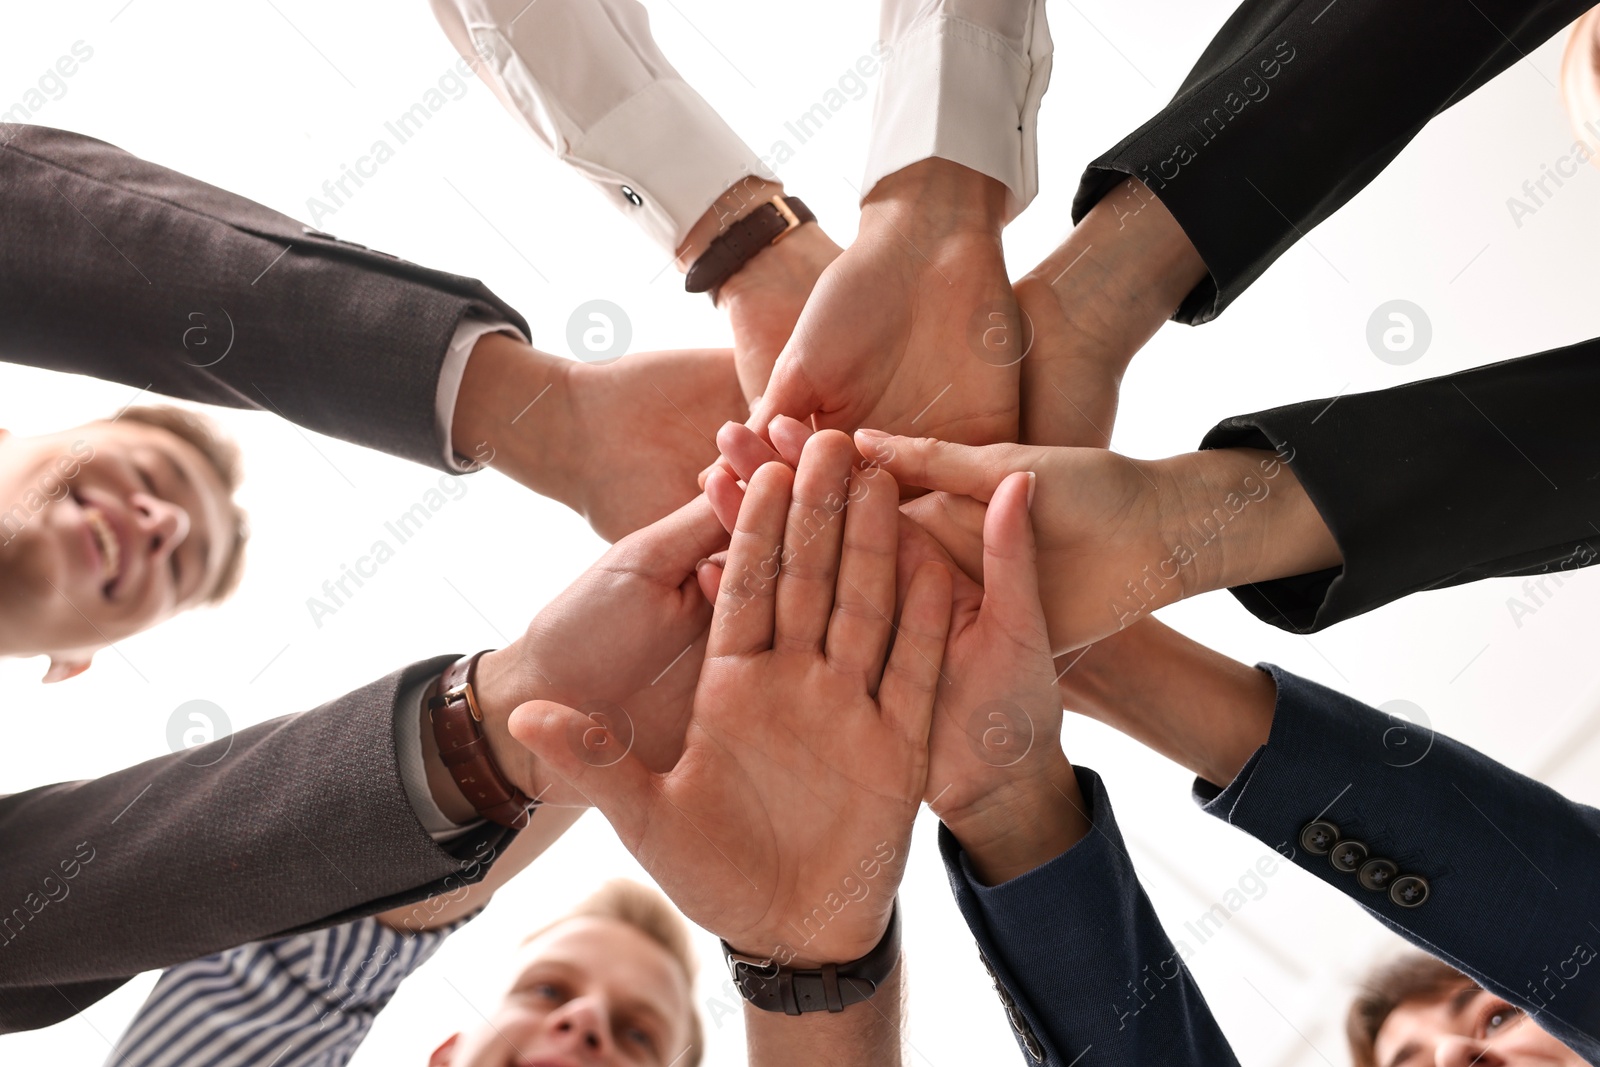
743 619
743 451
911 678
858 632
709 576
1010 561
968 470
956 523
788 392
811 542
670 547
789 437
725 496
580 751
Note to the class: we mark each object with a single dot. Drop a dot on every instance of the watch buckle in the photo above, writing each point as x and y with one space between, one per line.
464 692
789 217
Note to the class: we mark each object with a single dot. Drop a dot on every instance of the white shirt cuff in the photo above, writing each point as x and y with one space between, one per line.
468 332
408 712
955 90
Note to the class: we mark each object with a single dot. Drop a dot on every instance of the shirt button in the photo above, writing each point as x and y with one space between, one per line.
1377 874
1318 837
632 197
1409 890
1348 856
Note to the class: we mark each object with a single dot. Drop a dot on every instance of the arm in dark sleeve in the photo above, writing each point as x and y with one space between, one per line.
1488 472
125 270
1503 871
297 823
1086 972
1295 106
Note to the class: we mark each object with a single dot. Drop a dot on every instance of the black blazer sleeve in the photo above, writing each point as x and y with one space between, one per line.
125 270
1487 472
297 823
1295 106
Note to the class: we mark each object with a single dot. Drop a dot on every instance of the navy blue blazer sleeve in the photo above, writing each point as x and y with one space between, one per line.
1509 868
1088 976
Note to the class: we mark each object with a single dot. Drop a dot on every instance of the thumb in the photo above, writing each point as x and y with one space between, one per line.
591 753
965 470
789 393
1010 560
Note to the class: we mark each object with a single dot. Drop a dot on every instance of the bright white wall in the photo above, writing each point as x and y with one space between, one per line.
238 94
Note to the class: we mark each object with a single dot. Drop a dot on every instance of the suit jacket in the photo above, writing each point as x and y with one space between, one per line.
1486 472
125 270
303 821
1295 106
1510 871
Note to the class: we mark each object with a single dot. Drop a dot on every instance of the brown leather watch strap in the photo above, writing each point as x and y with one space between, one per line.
458 731
765 226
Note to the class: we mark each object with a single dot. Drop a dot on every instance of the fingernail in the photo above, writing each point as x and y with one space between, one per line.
1033 483
872 435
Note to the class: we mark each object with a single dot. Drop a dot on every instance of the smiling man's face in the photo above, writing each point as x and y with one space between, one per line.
105 531
590 992
1466 1027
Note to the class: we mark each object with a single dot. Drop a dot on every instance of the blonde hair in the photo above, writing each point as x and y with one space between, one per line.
221 453
652 914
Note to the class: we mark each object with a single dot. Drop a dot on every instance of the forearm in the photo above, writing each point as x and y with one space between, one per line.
1117 277
1197 707
867 1034
511 415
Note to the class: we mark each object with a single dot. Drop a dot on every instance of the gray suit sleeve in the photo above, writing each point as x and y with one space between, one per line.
125 270
297 823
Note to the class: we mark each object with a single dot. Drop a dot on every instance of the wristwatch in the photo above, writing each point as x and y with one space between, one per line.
458 731
763 227
833 987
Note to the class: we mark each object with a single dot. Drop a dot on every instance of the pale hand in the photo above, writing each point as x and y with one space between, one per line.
806 754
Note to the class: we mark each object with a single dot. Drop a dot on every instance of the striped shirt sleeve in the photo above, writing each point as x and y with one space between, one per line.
302 1001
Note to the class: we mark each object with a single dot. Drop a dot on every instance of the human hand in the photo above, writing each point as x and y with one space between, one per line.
996 776
622 644
1119 538
894 333
571 430
765 298
1091 305
806 755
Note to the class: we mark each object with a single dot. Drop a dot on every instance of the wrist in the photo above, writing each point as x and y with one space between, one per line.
497 423
504 681
1024 823
739 200
934 198
1259 523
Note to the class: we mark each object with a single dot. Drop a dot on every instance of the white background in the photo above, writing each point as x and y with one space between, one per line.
270 99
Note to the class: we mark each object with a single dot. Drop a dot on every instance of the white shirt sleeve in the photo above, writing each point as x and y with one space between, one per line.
587 78
408 713
962 80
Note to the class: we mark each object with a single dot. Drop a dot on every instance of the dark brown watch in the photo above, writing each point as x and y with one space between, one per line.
762 228
832 987
458 731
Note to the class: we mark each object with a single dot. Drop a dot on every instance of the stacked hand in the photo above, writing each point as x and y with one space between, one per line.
806 752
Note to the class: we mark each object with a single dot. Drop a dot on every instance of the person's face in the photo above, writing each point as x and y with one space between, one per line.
1467 1027
105 531
591 992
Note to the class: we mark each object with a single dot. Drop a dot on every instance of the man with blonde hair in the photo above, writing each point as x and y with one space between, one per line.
112 527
